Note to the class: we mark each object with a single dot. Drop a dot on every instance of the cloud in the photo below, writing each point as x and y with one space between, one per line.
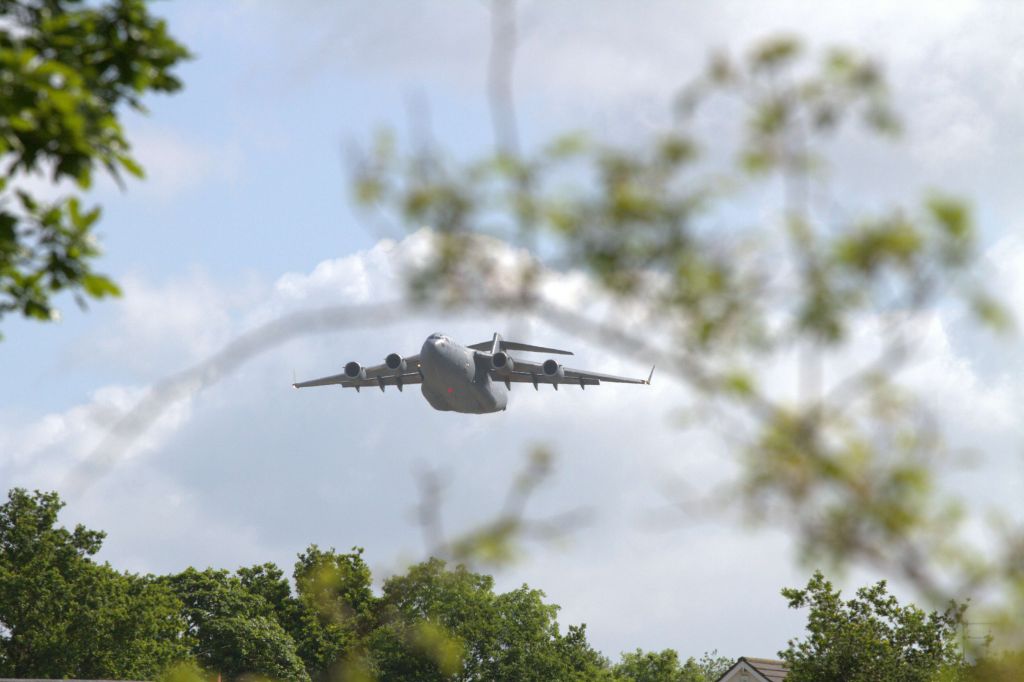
352 279
176 164
955 75
42 451
250 470
157 328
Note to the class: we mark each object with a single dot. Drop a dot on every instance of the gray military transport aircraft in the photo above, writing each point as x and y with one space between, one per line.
468 379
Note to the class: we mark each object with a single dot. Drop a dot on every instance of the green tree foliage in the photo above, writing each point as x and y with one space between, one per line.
252 623
580 660
434 623
235 631
665 666
872 638
66 68
269 583
332 609
728 251
63 615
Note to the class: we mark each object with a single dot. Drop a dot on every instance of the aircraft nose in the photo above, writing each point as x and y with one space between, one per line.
434 345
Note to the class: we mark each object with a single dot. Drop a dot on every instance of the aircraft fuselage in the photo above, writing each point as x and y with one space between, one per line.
454 380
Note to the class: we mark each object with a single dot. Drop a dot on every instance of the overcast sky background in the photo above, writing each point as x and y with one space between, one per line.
245 216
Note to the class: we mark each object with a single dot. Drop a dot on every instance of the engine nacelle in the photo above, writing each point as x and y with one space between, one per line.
502 361
354 370
553 369
395 362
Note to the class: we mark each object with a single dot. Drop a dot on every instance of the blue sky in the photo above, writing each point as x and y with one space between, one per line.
245 215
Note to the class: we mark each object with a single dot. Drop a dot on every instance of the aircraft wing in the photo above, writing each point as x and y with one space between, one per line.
378 375
531 372
541 378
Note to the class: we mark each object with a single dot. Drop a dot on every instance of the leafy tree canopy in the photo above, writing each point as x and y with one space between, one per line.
235 630
64 615
871 637
66 66
333 609
436 623
665 666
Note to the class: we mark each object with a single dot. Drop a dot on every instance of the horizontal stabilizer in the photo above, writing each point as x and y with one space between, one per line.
515 345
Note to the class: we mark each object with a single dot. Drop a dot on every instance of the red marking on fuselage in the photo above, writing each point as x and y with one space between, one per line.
451 390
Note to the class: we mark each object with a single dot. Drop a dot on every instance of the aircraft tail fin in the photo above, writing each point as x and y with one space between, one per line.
498 343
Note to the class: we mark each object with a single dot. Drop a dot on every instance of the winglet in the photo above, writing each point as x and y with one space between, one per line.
649 376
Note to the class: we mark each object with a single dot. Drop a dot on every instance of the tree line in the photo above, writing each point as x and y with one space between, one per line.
63 614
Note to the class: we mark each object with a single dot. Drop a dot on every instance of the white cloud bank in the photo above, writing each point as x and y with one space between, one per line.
251 471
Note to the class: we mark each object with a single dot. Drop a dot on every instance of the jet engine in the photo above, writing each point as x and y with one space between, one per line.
354 370
553 369
502 361
395 362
